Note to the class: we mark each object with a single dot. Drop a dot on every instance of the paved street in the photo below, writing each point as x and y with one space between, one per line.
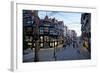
68 53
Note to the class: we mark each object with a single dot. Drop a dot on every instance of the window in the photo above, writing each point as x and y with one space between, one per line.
51 44
41 44
41 30
29 29
55 43
41 38
29 43
51 31
46 29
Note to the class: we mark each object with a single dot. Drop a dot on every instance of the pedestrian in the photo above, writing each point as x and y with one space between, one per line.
69 42
74 42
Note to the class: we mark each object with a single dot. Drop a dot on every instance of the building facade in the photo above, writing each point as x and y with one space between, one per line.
86 28
49 32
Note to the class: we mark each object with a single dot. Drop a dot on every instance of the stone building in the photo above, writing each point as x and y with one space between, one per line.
49 32
86 28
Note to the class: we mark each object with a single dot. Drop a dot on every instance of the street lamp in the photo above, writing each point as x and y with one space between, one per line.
36 58
36 37
54 50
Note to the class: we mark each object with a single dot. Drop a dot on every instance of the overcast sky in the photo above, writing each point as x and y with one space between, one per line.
71 20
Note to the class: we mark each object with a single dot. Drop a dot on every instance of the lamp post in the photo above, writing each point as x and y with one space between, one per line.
36 58
54 50
36 38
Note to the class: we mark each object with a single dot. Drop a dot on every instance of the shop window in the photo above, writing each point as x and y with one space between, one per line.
51 44
41 44
41 38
